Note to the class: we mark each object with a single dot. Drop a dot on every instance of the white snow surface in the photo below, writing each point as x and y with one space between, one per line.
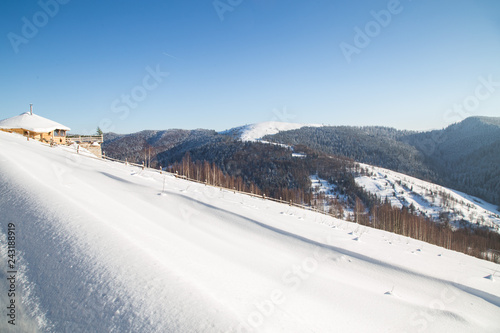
255 132
32 122
107 247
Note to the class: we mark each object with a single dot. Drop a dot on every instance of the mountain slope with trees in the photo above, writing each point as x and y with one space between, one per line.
144 146
464 156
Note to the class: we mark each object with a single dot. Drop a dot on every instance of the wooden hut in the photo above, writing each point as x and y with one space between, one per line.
35 127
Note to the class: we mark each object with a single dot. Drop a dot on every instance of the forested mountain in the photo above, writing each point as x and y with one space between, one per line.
146 145
464 156
379 146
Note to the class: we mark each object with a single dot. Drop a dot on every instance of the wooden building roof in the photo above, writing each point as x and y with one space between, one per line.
31 122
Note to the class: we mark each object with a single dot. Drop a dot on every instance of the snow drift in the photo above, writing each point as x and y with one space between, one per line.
105 247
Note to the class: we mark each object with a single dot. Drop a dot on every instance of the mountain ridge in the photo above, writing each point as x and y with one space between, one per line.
463 156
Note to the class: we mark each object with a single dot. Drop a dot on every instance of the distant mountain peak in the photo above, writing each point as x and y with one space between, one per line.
254 132
486 120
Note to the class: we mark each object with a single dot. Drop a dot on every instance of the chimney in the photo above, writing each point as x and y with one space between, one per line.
31 109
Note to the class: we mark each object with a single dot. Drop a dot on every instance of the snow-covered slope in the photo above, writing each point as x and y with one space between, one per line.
105 247
254 132
429 199
434 201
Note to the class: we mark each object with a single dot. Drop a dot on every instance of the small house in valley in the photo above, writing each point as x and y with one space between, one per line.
35 127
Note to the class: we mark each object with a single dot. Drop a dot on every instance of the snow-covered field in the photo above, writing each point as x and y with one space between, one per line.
105 247
429 199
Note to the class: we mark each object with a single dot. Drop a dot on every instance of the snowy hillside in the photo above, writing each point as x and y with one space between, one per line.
106 247
429 199
254 132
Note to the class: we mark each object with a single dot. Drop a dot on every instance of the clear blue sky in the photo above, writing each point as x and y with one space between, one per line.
89 63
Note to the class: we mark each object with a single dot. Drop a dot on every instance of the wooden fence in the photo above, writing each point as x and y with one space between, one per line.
86 138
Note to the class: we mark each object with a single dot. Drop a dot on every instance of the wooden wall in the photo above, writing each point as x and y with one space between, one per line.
44 137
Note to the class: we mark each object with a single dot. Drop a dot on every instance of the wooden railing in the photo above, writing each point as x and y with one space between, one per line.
85 138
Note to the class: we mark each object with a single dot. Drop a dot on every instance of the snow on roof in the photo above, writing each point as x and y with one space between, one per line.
32 122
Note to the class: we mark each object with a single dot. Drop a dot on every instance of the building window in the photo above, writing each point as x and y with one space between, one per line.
59 132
